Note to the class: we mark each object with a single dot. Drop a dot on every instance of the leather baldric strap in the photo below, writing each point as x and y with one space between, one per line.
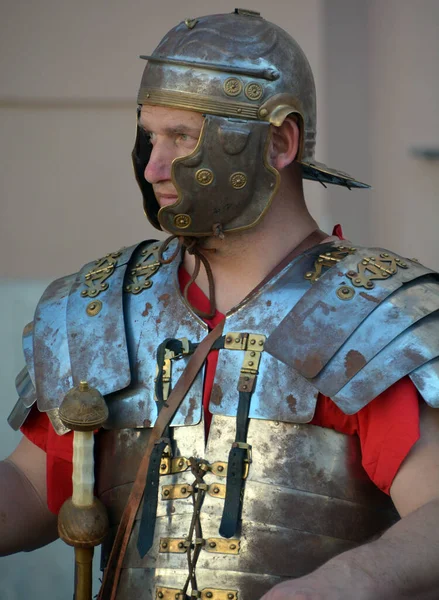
112 573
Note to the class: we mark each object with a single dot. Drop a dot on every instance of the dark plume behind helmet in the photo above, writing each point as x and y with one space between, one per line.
244 74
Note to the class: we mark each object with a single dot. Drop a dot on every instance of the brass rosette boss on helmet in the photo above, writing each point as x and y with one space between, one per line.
243 74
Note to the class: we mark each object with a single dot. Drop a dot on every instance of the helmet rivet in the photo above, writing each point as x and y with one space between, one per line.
263 112
182 221
94 308
232 86
253 91
204 176
238 180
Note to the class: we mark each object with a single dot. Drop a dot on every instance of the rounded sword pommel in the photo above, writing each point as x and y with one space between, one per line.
83 408
83 527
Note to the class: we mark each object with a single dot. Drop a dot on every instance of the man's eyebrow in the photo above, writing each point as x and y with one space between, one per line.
178 128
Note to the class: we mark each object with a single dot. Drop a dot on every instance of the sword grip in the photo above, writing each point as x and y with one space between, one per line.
83 573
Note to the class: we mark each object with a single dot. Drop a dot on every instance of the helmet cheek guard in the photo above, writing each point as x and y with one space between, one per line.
226 184
140 156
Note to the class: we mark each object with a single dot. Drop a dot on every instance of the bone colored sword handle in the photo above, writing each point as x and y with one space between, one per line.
83 468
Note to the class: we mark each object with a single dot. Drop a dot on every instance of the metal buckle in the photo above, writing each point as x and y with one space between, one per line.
248 459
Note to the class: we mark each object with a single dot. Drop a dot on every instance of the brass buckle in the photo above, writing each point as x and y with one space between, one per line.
248 459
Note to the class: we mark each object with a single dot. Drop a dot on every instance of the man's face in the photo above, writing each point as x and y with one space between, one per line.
173 133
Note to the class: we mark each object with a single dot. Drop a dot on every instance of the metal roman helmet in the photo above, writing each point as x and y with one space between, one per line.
244 74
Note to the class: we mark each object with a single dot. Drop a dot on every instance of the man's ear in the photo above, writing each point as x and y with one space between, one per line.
284 144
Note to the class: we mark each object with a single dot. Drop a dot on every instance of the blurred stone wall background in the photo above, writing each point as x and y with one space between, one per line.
69 75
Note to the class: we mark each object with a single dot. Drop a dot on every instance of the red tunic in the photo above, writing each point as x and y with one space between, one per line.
387 427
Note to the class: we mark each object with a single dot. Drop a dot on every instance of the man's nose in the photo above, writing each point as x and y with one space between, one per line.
159 164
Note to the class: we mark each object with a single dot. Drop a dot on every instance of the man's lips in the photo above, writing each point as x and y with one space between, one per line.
166 199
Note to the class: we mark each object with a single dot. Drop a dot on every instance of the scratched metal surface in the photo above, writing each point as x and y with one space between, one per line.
28 349
305 499
411 349
426 379
142 583
152 316
26 398
97 344
320 323
281 393
406 306
53 374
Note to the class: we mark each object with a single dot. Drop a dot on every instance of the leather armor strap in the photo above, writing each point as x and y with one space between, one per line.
238 456
112 573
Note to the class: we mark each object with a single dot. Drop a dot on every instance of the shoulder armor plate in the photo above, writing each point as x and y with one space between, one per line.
366 322
79 332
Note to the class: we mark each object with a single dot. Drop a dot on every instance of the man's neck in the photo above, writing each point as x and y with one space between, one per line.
242 260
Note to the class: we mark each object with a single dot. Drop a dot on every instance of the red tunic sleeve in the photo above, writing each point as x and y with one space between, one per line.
59 450
388 427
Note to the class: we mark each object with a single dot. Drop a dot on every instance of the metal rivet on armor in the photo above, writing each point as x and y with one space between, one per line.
164 544
181 463
345 292
212 544
230 596
83 293
220 468
128 288
160 594
252 353
239 110
232 86
232 546
263 112
163 466
253 91
94 308
238 180
237 340
372 258
250 363
209 595
137 288
204 176
190 23
228 340
351 273
365 262
216 490
166 493
182 221
261 343
252 342
183 490
358 280
180 544
133 272
244 387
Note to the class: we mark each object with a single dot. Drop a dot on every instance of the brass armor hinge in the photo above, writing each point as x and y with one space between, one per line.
213 545
139 276
95 279
164 593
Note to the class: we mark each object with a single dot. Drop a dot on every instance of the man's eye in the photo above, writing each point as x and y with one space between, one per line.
183 137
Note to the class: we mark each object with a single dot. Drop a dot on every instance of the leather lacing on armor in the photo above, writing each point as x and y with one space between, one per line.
235 478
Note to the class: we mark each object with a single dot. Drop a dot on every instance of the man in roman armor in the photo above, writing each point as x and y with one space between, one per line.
260 393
